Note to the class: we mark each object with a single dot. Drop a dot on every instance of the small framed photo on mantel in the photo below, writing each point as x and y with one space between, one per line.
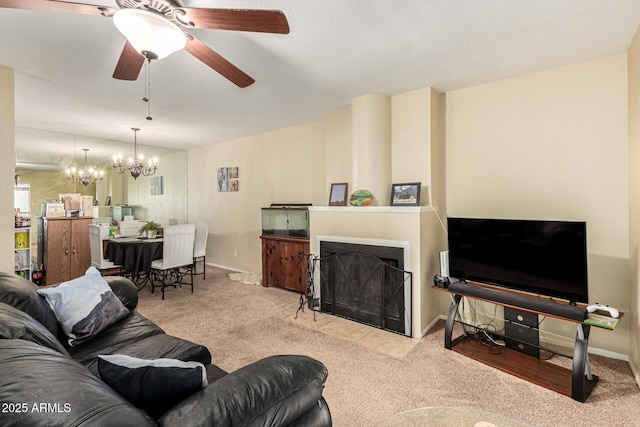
338 196
407 194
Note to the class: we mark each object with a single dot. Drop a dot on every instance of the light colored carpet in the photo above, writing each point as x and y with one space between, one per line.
241 323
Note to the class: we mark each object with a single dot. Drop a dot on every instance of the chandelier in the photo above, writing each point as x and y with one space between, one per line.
87 174
135 164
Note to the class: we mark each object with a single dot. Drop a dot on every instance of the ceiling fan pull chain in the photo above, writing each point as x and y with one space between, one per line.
147 87
146 82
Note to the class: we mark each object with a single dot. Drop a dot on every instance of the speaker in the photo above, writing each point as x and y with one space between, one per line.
574 312
521 331
444 263
441 282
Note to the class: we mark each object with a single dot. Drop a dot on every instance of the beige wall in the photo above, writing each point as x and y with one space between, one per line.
46 185
417 157
371 146
411 136
285 166
337 148
172 203
634 203
7 138
551 145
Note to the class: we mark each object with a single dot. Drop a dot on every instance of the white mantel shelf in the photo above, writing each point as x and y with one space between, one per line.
372 209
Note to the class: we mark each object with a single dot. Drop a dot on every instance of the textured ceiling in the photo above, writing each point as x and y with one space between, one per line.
337 50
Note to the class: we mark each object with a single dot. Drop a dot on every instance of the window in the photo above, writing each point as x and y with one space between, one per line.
22 198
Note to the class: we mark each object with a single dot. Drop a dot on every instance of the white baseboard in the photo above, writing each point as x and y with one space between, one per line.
636 373
609 354
224 267
432 324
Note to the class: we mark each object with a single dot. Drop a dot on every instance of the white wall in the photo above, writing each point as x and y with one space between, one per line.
551 145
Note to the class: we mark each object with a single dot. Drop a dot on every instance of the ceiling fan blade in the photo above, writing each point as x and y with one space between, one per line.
129 64
58 6
205 54
260 21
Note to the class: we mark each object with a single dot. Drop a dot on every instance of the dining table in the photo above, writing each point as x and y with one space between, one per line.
135 255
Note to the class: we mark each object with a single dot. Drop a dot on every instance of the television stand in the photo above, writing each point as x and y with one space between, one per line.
577 382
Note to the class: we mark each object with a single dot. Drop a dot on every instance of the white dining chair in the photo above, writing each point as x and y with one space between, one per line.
200 248
177 257
97 258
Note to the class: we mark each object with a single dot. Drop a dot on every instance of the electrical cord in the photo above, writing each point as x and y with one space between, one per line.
481 336
499 343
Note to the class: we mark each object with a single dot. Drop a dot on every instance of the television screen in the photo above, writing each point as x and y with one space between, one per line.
542 257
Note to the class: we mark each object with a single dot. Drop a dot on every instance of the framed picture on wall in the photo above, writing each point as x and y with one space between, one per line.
156 185
407 194
222 178
338 196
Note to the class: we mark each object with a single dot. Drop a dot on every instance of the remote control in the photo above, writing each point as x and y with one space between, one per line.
595 307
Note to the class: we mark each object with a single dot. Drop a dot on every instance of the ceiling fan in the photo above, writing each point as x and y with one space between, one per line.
169 17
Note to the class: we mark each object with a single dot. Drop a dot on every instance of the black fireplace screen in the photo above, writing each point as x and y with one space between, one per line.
363 287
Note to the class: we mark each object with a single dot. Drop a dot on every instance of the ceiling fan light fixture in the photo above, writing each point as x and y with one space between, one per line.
154 36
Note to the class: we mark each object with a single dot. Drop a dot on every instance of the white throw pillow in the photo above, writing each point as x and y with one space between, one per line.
84 306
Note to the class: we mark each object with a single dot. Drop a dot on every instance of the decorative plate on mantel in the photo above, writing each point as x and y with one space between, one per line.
361 198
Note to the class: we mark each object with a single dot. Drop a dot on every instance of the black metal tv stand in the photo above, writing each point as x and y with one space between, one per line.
577 382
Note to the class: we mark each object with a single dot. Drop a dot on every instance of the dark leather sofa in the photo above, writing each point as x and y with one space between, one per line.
46 382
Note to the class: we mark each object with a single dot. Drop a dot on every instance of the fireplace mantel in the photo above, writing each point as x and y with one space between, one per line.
372 209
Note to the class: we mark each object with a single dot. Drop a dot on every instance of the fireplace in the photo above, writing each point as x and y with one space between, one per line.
365 283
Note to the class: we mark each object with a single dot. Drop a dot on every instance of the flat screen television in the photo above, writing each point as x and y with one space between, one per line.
542 257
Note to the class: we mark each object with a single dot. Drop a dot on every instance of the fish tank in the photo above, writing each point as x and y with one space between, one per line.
286 221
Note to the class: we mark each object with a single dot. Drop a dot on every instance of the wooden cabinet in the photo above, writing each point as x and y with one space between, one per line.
67 252
282 258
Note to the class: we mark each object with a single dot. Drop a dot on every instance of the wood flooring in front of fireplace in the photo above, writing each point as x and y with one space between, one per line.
394 345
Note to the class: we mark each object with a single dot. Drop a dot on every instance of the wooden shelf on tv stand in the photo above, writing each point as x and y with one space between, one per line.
576 383
523 366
